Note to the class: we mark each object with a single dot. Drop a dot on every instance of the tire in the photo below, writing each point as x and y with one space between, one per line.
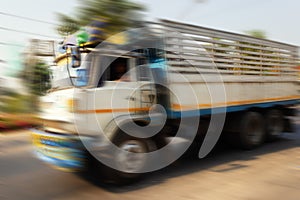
274 124
252 130
129 165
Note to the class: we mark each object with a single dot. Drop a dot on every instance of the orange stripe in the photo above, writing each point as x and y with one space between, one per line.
189 107
183 107
112 110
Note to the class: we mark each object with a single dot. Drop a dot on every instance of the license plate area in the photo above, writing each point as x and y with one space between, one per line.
63 151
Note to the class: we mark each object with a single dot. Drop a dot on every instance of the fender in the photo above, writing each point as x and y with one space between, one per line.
153 121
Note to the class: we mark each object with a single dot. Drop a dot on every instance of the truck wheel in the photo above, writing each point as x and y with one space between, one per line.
129 164
252 132
274 124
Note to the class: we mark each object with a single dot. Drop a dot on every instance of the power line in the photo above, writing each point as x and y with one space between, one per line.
27 18
25 32
11 44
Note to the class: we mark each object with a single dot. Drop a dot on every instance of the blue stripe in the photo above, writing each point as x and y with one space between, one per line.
67 164
208 111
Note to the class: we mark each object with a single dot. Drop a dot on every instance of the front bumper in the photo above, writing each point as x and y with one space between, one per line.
60 150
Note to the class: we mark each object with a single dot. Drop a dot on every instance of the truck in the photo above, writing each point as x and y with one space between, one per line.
126 108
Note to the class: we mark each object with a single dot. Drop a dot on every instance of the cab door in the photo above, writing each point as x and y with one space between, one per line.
152 80
145 91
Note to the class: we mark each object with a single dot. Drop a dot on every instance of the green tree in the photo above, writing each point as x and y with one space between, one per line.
120 14
257 33
37 77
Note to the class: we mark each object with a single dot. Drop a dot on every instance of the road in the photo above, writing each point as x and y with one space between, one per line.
270 172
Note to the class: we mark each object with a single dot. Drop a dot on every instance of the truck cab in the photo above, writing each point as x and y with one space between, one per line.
98 94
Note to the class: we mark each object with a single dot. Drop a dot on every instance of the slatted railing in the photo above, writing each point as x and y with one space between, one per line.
194 49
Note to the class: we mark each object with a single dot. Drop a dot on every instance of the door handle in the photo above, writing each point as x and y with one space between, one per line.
130 98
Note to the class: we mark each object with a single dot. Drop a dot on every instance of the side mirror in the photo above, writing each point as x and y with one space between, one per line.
76 57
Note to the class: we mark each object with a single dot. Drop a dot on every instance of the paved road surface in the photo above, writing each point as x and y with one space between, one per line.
271 172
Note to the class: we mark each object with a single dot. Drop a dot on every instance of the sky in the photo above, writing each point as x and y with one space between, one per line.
279 19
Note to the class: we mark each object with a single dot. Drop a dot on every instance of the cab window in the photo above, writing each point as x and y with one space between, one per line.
118 69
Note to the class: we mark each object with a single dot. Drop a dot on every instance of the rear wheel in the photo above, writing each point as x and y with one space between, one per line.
274 124
252 133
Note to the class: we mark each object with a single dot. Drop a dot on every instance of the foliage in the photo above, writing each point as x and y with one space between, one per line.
253 58
12 102
68 25
247 53
120 14
257 33
37 77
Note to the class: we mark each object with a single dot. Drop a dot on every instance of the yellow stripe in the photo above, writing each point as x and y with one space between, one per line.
52 151
64 61
90 43
232 103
